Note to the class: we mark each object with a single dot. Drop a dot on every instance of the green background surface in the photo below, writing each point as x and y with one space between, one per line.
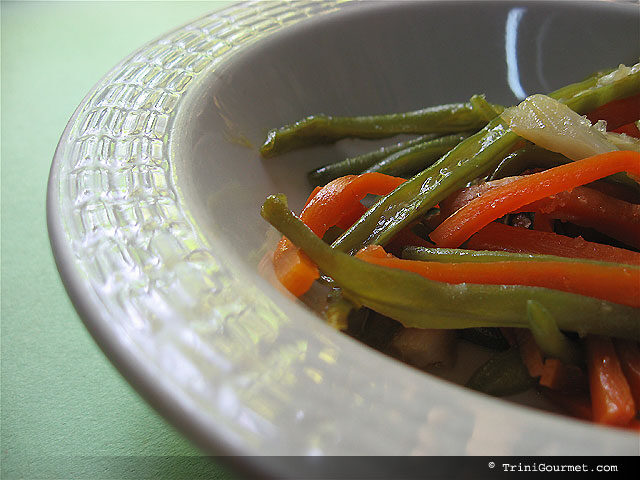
66 411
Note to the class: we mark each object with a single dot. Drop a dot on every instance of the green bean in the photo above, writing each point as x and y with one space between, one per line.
599 94
471 158
489 111
418 302
571 90
358 164
474 157
549 338
418 157
450 118
532 156
503 374
460 255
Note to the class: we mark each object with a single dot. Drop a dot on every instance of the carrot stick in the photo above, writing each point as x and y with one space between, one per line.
337 203
501 200
614 283
611 398
554 374
497 236
629 353
530 352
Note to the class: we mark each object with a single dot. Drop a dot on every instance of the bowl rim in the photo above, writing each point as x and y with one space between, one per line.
173 403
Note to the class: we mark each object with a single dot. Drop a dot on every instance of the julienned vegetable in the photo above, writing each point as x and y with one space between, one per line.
528 189
456 117
418 302
473 158
336 204
615 283
497 236
555 285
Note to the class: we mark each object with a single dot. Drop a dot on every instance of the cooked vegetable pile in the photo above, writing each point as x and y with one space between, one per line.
515 228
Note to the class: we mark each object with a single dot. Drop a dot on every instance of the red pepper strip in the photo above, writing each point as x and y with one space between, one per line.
590 208
543 223
617 284
629 129
584 206
504 199
337 203
629 354
497 236
611 398
617 113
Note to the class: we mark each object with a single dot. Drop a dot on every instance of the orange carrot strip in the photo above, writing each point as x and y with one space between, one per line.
553 375
611 398
561 376
501 200
617 284
497 236
530 352
629 354
337 203
551 372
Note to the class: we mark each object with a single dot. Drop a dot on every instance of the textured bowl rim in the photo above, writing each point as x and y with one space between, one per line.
172 403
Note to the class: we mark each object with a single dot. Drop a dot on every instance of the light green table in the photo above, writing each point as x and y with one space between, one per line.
66 412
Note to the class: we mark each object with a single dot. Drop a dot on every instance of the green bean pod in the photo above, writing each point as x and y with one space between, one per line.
479 102
418 302
475 157
359 163
418 157
548 336
315 129
532 156
461 255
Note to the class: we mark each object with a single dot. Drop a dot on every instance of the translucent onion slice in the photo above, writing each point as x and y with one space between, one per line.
554 126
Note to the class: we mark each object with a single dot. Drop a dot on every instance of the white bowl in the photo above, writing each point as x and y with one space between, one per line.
153 211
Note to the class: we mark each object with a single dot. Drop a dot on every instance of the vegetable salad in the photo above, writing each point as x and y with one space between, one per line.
515 228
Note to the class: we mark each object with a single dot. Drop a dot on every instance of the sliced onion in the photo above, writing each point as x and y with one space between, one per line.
624 141
554 126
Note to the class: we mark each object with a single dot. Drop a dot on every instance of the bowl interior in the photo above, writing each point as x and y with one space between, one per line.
376 57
